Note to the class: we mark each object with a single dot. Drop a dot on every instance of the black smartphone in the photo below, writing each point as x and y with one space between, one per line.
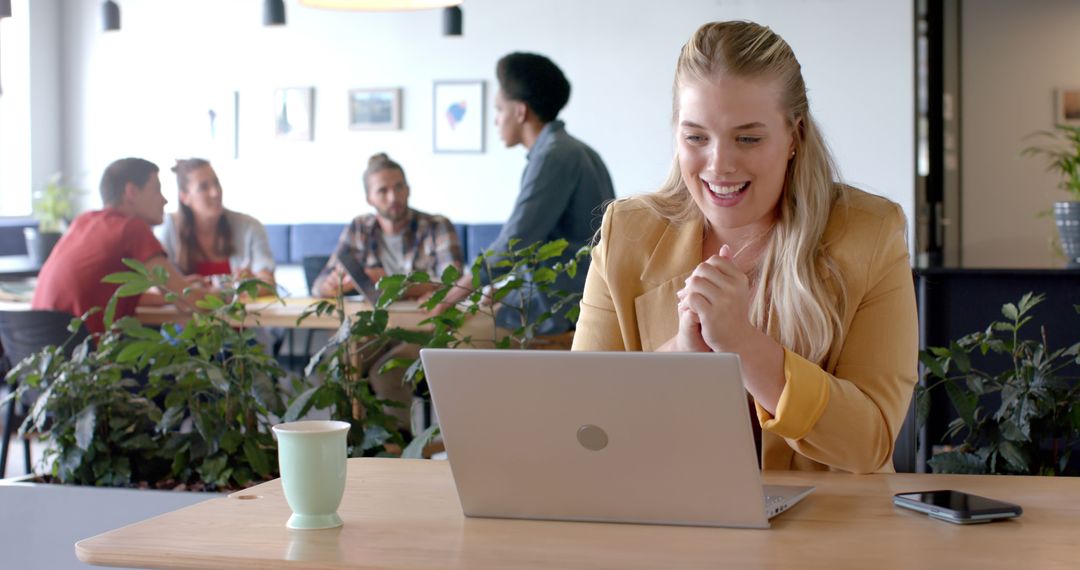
957 507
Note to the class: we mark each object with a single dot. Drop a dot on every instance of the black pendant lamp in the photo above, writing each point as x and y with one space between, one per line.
451 21
273 12
110 16
5 12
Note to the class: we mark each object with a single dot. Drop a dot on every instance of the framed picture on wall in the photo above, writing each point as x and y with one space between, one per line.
222 132
1068 106
294 113
375 109
459 116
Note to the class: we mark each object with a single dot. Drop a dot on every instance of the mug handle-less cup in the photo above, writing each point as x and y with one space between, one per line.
311 456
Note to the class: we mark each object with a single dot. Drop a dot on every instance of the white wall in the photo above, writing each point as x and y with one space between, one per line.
1014 54
139 91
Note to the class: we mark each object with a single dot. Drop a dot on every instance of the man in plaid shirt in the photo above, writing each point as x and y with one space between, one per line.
395 240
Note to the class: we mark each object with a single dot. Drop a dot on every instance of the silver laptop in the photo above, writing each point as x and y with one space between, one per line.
661 438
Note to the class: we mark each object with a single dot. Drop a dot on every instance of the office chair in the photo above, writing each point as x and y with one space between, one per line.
23 333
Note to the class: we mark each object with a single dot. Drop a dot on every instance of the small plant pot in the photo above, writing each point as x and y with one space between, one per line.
39 244
1067 216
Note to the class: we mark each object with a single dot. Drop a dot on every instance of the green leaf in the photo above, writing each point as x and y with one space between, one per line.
394 363
1014 456
1010 432
300 404
257 458
960 357
374 436
85 422
231 441
551 249
544 275
136 265
210 302
415 449
933 365
957 462
964 402
1010 312
121 277
922 405
110 312
133 351
450 275
266 393
171 416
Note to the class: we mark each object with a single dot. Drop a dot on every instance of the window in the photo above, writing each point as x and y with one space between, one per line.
15 191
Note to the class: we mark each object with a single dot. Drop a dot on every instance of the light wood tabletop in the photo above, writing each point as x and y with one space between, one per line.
265 312
283 313
402 513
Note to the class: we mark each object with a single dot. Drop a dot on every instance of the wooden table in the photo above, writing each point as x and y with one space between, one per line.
405 514
267 313
262 312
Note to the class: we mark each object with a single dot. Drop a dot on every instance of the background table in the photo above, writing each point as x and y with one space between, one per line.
17 267
405 514
262 312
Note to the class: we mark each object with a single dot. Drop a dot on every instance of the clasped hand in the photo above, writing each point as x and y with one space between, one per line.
714 306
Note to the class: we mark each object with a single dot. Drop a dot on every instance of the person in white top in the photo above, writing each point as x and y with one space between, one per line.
204 238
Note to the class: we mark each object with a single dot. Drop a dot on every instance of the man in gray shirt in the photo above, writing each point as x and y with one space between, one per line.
565 185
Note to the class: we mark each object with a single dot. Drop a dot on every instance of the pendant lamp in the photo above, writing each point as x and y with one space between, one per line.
273 12
110 16
380 5
451 21
5 12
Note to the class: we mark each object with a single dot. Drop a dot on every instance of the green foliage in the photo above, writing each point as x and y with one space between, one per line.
209 393
202 413
1036 423
1061 150
530 270
54 205
102 430
345 389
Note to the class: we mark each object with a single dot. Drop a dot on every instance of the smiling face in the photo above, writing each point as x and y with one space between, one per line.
202 193
734 145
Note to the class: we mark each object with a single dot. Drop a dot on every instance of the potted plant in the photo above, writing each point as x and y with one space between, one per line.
1061 149
54 206
166 407
346 391
1021 417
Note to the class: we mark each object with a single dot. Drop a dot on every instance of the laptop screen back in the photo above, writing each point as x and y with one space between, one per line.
624 437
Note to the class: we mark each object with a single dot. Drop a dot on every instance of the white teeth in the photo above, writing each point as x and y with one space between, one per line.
725 190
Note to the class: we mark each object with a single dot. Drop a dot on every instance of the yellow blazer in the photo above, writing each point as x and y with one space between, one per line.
842 414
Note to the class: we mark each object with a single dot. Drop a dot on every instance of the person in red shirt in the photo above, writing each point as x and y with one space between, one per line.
97 243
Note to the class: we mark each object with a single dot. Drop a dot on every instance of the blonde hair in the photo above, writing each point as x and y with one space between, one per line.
799 295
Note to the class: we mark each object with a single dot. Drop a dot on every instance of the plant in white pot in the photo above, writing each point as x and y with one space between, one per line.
1061 149
54 206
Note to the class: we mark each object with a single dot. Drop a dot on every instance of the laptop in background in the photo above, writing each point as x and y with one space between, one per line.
660 438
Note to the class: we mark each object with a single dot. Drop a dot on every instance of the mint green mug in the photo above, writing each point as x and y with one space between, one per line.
311 455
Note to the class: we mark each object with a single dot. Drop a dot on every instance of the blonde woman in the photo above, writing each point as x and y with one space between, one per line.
752 247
